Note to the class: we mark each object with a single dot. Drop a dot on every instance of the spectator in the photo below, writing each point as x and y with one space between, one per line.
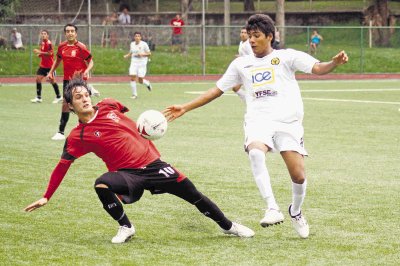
3 42
16 40
177 31
315 41
124 18
109 33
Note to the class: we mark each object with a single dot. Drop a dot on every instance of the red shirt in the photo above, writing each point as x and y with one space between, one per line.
46 60
177 26
110 135
75 57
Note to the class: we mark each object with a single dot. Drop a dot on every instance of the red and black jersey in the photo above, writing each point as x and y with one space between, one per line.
110 135
47 60
75 58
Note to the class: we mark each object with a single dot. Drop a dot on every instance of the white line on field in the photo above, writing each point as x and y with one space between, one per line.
350 101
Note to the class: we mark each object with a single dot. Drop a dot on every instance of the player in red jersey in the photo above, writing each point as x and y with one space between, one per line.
46 61
133 163
76 59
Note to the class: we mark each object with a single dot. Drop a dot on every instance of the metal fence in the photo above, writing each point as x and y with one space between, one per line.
108 43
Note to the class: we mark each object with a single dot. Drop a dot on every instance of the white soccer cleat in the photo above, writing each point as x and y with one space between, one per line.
124 234
94 91
133 97
239 230
272 217
57 100
36 100
300 224
58 136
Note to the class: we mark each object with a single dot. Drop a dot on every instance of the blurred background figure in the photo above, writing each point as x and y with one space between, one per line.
316 39
16 40
109 36
177 23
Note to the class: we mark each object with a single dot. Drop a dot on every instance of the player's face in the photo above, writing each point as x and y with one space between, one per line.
44 35
260 43
243 35
138 37
81 101
70 34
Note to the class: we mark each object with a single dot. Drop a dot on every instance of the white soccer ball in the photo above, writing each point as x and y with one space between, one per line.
152 124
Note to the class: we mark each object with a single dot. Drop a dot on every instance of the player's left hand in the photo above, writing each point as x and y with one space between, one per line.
36 205
173 112
341 58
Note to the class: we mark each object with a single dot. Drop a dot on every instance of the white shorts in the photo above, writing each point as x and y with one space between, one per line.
138 70
278 136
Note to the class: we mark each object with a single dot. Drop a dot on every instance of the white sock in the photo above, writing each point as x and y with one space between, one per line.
242 94
298 195
146 82
262 178
133 86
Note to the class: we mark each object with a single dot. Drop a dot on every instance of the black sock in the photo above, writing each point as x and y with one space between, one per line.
39 90
211 210
113 206
63 122
56 90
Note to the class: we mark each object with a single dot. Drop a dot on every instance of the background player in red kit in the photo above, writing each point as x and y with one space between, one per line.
76 59
133 163
46 55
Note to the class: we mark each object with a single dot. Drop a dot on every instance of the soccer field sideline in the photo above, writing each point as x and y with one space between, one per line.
351 202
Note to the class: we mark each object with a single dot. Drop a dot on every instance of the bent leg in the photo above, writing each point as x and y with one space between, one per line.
106 186
186 190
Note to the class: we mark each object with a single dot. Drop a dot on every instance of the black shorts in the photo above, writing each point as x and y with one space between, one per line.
43 71
157 177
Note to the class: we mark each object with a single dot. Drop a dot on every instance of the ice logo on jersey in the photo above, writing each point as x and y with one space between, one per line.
113 116
73 53
262 76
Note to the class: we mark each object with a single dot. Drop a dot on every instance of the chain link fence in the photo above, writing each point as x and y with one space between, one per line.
109 43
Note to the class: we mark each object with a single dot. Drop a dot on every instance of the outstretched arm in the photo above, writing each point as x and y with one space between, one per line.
327 67
175 111
55 180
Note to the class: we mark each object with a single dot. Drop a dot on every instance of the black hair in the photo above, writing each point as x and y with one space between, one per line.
45 31
70 25
137 32
76 81
263 23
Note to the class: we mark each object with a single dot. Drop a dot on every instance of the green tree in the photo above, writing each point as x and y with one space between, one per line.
7 9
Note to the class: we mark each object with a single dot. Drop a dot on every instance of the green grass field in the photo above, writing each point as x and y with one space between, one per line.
352 204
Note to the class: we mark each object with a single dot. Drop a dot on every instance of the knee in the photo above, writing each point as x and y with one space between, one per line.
298 175
100 183
257 156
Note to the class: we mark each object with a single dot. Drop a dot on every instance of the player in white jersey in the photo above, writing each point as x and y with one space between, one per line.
244 49
139 53
273 120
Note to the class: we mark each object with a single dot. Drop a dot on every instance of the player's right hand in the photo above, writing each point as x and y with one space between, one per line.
36 205
173 112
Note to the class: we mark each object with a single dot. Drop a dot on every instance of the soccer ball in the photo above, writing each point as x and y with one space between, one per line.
152 124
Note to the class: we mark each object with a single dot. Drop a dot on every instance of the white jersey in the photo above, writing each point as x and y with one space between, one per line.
245 48
136 49
271 88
